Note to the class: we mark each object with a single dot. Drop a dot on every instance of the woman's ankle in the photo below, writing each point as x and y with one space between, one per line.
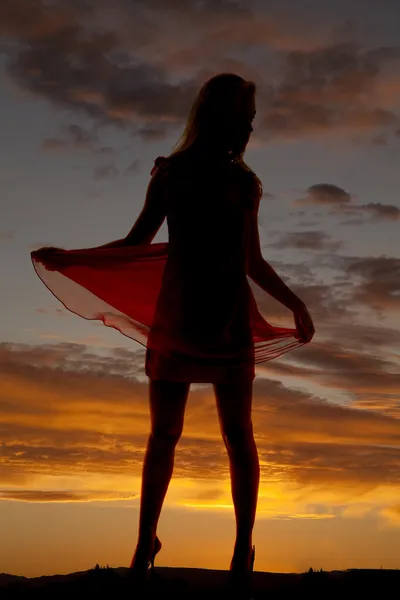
144 549
243 544
241 558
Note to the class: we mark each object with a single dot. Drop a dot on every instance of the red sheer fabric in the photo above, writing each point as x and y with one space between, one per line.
188 301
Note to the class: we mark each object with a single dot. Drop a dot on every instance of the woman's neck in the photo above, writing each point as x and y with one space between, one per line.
211 154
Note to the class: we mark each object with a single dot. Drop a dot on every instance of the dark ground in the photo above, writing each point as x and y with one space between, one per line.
205 584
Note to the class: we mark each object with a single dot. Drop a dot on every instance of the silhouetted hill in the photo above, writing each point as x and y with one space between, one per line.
191 584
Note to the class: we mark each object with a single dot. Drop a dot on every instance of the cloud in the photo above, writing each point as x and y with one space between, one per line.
329 89
326 194
307 240
68 356
67 411
341 203
384 212
366 378
379 287
80 137
327 303
59 496
376 211
75 137
66 60
84 57
105 172
392 513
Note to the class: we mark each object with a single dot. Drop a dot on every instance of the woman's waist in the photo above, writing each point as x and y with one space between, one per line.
206 261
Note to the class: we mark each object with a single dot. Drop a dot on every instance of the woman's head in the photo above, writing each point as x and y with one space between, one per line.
221 117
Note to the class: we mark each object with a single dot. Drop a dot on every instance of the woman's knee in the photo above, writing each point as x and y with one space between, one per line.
234 404
163 438
238 437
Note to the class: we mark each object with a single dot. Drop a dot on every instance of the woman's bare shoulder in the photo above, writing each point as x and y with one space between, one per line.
172 163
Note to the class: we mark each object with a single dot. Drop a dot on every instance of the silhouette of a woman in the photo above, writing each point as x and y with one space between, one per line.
204 327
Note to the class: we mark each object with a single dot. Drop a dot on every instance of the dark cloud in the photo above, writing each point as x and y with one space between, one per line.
326 90
80 136
325 193
364 337
384 212
32 20
67 356
341 203
355 368
57 496
42 496
372 212
74 66
379 286
141 65
307 240
326 302
347 464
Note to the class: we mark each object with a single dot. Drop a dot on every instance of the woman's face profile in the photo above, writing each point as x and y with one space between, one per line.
243 125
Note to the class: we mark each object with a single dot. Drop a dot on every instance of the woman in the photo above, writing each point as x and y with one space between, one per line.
204 325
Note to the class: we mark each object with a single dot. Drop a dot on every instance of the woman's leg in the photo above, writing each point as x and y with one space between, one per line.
234 402
167 410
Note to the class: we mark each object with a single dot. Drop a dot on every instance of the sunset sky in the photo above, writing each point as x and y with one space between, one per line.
91 92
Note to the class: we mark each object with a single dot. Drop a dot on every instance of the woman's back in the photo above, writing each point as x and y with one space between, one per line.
207 209
202 309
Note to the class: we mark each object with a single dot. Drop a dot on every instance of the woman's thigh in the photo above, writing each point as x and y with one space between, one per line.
234 406
167 406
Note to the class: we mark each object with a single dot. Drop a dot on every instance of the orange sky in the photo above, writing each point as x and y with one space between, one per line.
74 443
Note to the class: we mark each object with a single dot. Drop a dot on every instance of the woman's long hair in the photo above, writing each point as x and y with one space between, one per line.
213 114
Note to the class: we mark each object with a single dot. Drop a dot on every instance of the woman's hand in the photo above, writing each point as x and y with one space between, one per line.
304 324
44 255
47 251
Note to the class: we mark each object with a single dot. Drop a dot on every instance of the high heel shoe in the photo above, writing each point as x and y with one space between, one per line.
139 572
156 550
239 579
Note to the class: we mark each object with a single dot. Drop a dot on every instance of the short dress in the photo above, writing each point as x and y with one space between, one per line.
187 301
202 330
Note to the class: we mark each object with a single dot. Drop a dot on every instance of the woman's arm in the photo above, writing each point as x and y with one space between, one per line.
151 217
263 274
